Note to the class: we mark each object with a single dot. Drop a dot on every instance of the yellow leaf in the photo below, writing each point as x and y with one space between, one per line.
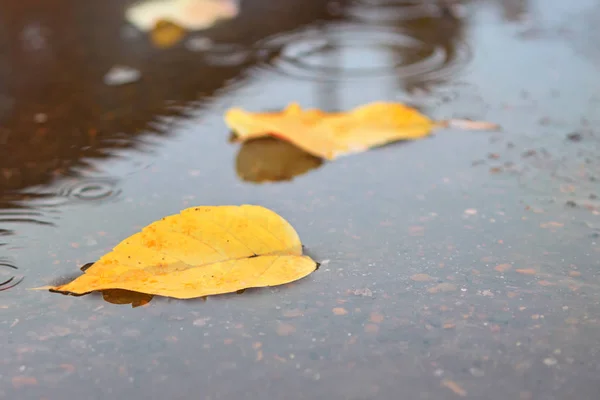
189 14
201 251
329 135
166 34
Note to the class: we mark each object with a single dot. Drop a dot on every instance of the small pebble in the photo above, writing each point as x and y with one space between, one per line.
366 292
121 75
40 118
550 361
198 44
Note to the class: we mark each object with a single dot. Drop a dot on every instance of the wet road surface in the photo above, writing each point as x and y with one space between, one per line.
461 266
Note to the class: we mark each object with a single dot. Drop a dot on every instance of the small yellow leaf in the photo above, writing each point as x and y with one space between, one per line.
329 135
166 34
189 14
201 251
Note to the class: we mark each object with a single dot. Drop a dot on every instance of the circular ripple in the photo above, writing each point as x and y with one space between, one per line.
392 10
227 55
354 50
8 278
90 190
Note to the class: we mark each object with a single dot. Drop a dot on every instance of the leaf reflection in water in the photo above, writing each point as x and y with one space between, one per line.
120 296
273 160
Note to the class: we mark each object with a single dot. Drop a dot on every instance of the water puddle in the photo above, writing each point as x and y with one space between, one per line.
440 240
41 207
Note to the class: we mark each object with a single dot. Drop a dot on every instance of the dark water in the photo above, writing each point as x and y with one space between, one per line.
465 265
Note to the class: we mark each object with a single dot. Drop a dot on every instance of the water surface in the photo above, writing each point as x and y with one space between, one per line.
464 265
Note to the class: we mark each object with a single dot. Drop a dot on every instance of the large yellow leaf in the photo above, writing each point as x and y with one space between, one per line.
329 135
201 251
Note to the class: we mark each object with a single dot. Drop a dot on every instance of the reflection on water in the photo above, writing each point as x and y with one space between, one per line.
120 296
113 296
65 125
272 160
65 128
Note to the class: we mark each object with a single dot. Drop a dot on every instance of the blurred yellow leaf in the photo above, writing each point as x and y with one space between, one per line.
329 135
166 34
201 251
191 15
